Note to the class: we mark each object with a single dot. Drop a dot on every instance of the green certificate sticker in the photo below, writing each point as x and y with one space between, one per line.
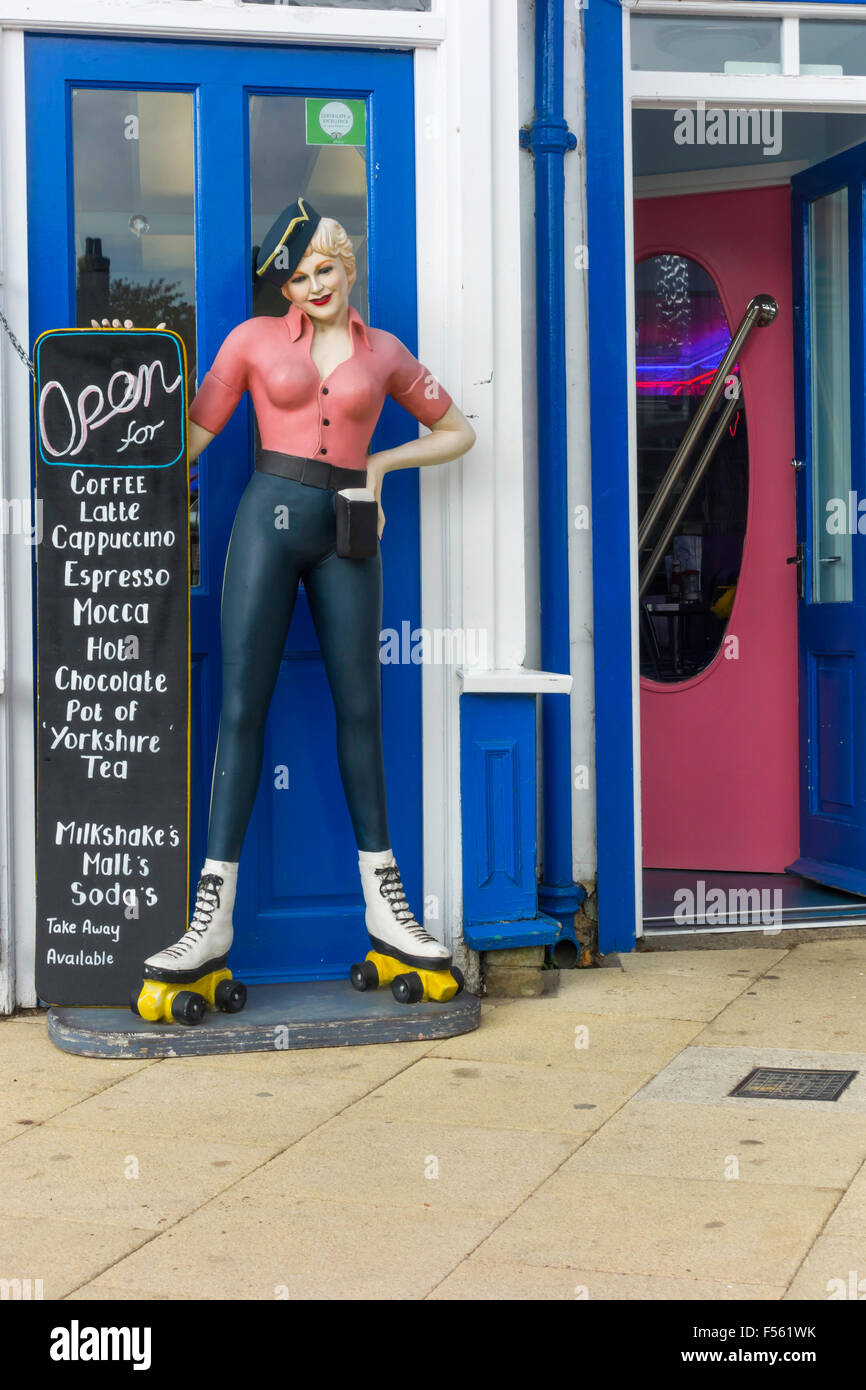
336 121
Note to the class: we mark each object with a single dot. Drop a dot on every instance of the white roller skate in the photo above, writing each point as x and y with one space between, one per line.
206 941
392 928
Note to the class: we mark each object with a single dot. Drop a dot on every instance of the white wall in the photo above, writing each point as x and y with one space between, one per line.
470 295
526 90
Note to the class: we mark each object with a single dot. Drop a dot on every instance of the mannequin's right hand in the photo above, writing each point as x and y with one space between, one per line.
115 323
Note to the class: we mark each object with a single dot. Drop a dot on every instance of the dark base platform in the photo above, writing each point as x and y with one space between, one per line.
320 1013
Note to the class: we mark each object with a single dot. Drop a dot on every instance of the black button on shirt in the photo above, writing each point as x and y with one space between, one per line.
324 390
326 422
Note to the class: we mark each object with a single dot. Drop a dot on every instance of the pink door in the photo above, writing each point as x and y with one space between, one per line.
719 754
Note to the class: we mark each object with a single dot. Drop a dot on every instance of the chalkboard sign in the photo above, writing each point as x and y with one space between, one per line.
113 658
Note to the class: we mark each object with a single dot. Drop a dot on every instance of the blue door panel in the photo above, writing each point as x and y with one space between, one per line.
299 909
831 709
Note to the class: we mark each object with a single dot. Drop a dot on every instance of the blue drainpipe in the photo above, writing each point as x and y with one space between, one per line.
548 138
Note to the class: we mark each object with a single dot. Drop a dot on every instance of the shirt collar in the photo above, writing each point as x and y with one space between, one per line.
297 322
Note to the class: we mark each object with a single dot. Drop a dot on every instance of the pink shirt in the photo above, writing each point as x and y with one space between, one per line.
297 411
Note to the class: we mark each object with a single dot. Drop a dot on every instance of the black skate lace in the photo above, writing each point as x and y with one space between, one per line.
207 900
391 889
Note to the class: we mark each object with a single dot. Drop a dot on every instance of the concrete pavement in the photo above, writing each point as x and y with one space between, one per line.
579 1145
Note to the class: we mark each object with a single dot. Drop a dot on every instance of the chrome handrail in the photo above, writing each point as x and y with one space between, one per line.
688 492
760 311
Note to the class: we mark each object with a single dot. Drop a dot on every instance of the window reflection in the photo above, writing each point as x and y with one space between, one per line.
830 48
133 179
832 578
682 335
284 166
696 44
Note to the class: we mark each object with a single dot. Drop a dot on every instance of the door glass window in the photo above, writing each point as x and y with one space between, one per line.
830 398
133 176
682 335
829 48
692 44
284 166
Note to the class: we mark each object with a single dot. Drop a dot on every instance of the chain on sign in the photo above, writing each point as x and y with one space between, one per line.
22 352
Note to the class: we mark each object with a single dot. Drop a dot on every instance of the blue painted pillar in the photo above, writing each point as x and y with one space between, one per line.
609 387
549 138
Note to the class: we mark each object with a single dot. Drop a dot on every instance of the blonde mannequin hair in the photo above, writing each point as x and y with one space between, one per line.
332 239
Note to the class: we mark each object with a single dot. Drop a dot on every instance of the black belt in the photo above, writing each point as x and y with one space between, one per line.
313 472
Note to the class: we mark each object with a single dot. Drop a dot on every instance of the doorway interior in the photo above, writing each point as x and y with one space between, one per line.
751 623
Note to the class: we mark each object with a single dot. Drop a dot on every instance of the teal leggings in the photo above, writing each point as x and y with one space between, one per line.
285 531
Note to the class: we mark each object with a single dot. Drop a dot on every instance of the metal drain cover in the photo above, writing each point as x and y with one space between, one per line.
791 1083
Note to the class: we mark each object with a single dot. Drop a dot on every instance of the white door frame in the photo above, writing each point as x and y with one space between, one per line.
786 91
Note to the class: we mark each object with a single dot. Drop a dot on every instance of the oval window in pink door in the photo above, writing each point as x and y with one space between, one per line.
682 335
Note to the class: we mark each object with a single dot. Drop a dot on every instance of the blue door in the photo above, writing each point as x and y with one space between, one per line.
153 170
831 517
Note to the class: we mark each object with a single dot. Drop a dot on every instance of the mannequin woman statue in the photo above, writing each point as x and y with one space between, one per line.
318 378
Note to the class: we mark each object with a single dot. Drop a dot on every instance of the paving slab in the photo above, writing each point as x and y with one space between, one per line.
27 1054
741 1233
834 1269
504 1163
807 1000
419 1164
846 954
372 1064
109 1293
849 1218
663 1139
23 1106
201 1102
479 1279
706 1074
652 992
306 1249
62 1254
734 961
500 1095
524 1031
82 1175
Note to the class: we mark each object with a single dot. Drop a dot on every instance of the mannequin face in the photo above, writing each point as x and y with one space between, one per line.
320 287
